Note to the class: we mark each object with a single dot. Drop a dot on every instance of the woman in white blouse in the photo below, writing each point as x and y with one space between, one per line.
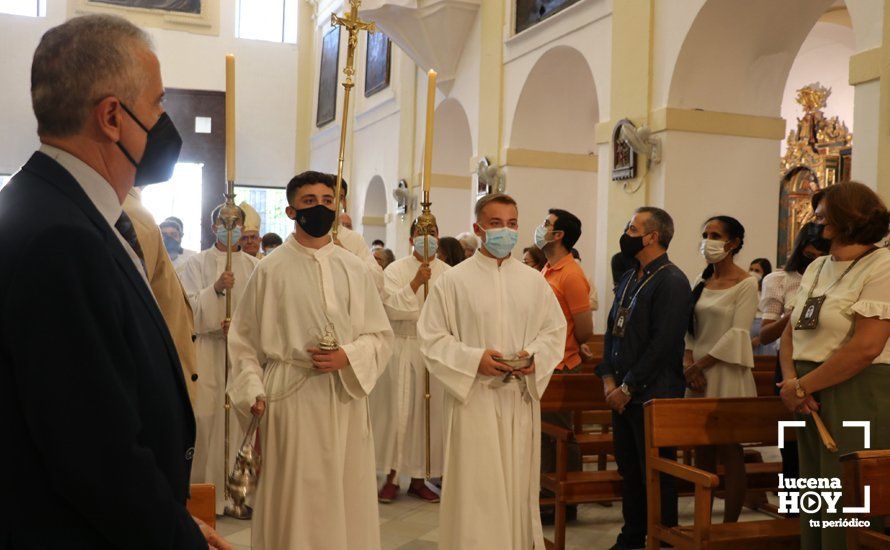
719 358
834 353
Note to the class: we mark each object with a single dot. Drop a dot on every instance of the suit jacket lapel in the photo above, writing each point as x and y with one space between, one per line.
52 172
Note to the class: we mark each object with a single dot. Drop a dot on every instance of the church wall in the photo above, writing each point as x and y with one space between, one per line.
581 88
265 93
710 175
376 147
672 21
537 190
588 32
865 140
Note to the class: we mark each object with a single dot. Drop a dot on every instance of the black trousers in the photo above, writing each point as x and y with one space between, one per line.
630 454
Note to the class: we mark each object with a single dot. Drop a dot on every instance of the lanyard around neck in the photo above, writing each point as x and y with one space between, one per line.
640 288
838 280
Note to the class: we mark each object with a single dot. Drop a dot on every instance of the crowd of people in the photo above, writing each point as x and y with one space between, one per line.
335 345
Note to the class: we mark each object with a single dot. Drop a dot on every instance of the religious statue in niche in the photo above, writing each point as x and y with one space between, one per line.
624 158
377 63
177 6
532 12
819 154
327 78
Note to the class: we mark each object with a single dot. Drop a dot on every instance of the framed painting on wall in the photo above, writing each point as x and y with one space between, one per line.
327 78
532 12
377 63
176 6
194 16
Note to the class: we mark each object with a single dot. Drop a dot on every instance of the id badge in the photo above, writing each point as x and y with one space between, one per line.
621 322
809 316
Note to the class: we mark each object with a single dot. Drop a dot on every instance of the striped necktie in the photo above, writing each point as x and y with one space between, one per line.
124 225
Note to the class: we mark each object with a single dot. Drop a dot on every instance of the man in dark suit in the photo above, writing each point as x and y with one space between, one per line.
95 415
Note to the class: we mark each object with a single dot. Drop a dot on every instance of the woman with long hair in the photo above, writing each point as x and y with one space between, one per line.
719 358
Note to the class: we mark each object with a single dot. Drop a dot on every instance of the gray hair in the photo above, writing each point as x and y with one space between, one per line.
659 221
81 62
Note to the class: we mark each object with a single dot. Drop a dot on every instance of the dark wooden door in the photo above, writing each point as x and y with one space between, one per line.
184 106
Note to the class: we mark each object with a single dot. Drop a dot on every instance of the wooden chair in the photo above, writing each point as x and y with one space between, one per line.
202 503
572 393
870 468
703 422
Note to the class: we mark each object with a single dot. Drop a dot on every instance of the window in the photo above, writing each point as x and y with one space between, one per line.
180 197
270 203
30 8
272 20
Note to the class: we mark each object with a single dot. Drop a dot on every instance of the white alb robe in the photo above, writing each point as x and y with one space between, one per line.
355 243
197 276
318 487
492 428
398 407
182 259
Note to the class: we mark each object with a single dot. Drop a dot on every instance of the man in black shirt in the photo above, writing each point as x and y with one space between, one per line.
643 360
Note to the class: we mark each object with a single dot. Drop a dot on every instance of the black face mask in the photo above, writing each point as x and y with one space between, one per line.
631 246
316 220
161 151
172 245
815 233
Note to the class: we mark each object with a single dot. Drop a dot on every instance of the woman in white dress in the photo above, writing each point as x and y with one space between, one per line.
719 358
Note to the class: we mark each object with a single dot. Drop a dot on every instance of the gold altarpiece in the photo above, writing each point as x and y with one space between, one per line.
818 154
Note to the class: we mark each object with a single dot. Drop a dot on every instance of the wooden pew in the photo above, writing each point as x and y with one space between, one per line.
202 503
573 393
702 422
764 375
870 468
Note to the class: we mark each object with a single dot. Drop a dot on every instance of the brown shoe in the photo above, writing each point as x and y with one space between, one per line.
424 493
388 493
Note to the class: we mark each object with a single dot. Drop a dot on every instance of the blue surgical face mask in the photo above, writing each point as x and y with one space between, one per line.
541 237
432 246
500 242
221 235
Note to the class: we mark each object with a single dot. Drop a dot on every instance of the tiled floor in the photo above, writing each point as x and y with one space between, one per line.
410 524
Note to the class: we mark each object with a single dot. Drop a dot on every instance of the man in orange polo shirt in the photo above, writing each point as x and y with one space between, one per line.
557 237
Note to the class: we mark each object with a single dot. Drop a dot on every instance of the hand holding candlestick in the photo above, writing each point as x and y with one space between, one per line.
229 215
426 228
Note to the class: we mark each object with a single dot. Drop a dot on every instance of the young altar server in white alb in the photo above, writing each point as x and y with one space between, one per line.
206 282
398 406
318 486
487 307
354 242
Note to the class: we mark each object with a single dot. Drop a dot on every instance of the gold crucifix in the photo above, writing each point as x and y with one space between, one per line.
353 25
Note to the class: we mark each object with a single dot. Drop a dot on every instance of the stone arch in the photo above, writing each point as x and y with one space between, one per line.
451 193
374 212
557 108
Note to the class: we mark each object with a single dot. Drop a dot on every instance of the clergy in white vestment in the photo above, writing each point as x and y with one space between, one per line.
171 229
398 405
318 486
487 307
354 242
206 282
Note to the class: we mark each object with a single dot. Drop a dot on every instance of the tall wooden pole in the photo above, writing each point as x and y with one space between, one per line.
353 25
